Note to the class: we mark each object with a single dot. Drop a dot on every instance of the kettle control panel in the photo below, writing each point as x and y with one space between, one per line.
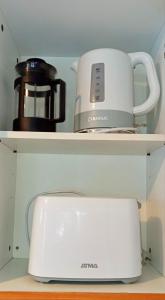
97 83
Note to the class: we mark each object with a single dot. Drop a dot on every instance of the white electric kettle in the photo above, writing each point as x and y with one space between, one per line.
105 90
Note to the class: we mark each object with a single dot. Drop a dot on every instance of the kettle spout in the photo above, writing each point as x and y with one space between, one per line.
74 66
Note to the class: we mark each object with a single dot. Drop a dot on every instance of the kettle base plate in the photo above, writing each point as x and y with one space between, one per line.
109 130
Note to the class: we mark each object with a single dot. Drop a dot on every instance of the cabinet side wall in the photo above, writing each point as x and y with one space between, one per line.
156 168
156 208
7 197
8 60
156 120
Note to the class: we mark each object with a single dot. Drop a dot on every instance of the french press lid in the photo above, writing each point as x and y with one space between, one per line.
35 68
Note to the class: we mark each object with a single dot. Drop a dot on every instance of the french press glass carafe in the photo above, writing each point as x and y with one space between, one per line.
35 96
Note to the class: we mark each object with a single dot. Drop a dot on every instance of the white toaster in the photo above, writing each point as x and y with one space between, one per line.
85 239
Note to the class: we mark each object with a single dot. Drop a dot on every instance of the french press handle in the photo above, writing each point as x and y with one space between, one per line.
62 85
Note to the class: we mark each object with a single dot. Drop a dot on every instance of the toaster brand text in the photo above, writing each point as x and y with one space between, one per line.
89 266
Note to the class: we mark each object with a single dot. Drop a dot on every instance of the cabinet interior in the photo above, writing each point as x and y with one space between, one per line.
24 175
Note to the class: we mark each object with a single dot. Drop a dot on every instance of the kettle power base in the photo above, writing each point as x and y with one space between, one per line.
109 130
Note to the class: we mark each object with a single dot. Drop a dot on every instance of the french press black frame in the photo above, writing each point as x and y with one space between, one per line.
37 73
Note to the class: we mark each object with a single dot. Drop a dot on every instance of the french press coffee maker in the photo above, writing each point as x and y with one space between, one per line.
35 95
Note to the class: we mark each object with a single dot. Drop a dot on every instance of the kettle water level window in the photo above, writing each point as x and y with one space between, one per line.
97 83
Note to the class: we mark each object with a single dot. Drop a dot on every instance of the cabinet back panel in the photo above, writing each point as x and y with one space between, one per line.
108 176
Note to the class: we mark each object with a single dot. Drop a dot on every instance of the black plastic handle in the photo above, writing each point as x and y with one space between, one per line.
62 85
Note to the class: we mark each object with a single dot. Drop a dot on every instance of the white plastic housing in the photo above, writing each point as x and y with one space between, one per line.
118 81
80 238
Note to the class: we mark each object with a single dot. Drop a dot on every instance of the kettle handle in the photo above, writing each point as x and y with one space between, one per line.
151 101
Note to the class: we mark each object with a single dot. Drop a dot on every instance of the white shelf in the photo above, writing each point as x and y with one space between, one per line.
81 143
13 277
